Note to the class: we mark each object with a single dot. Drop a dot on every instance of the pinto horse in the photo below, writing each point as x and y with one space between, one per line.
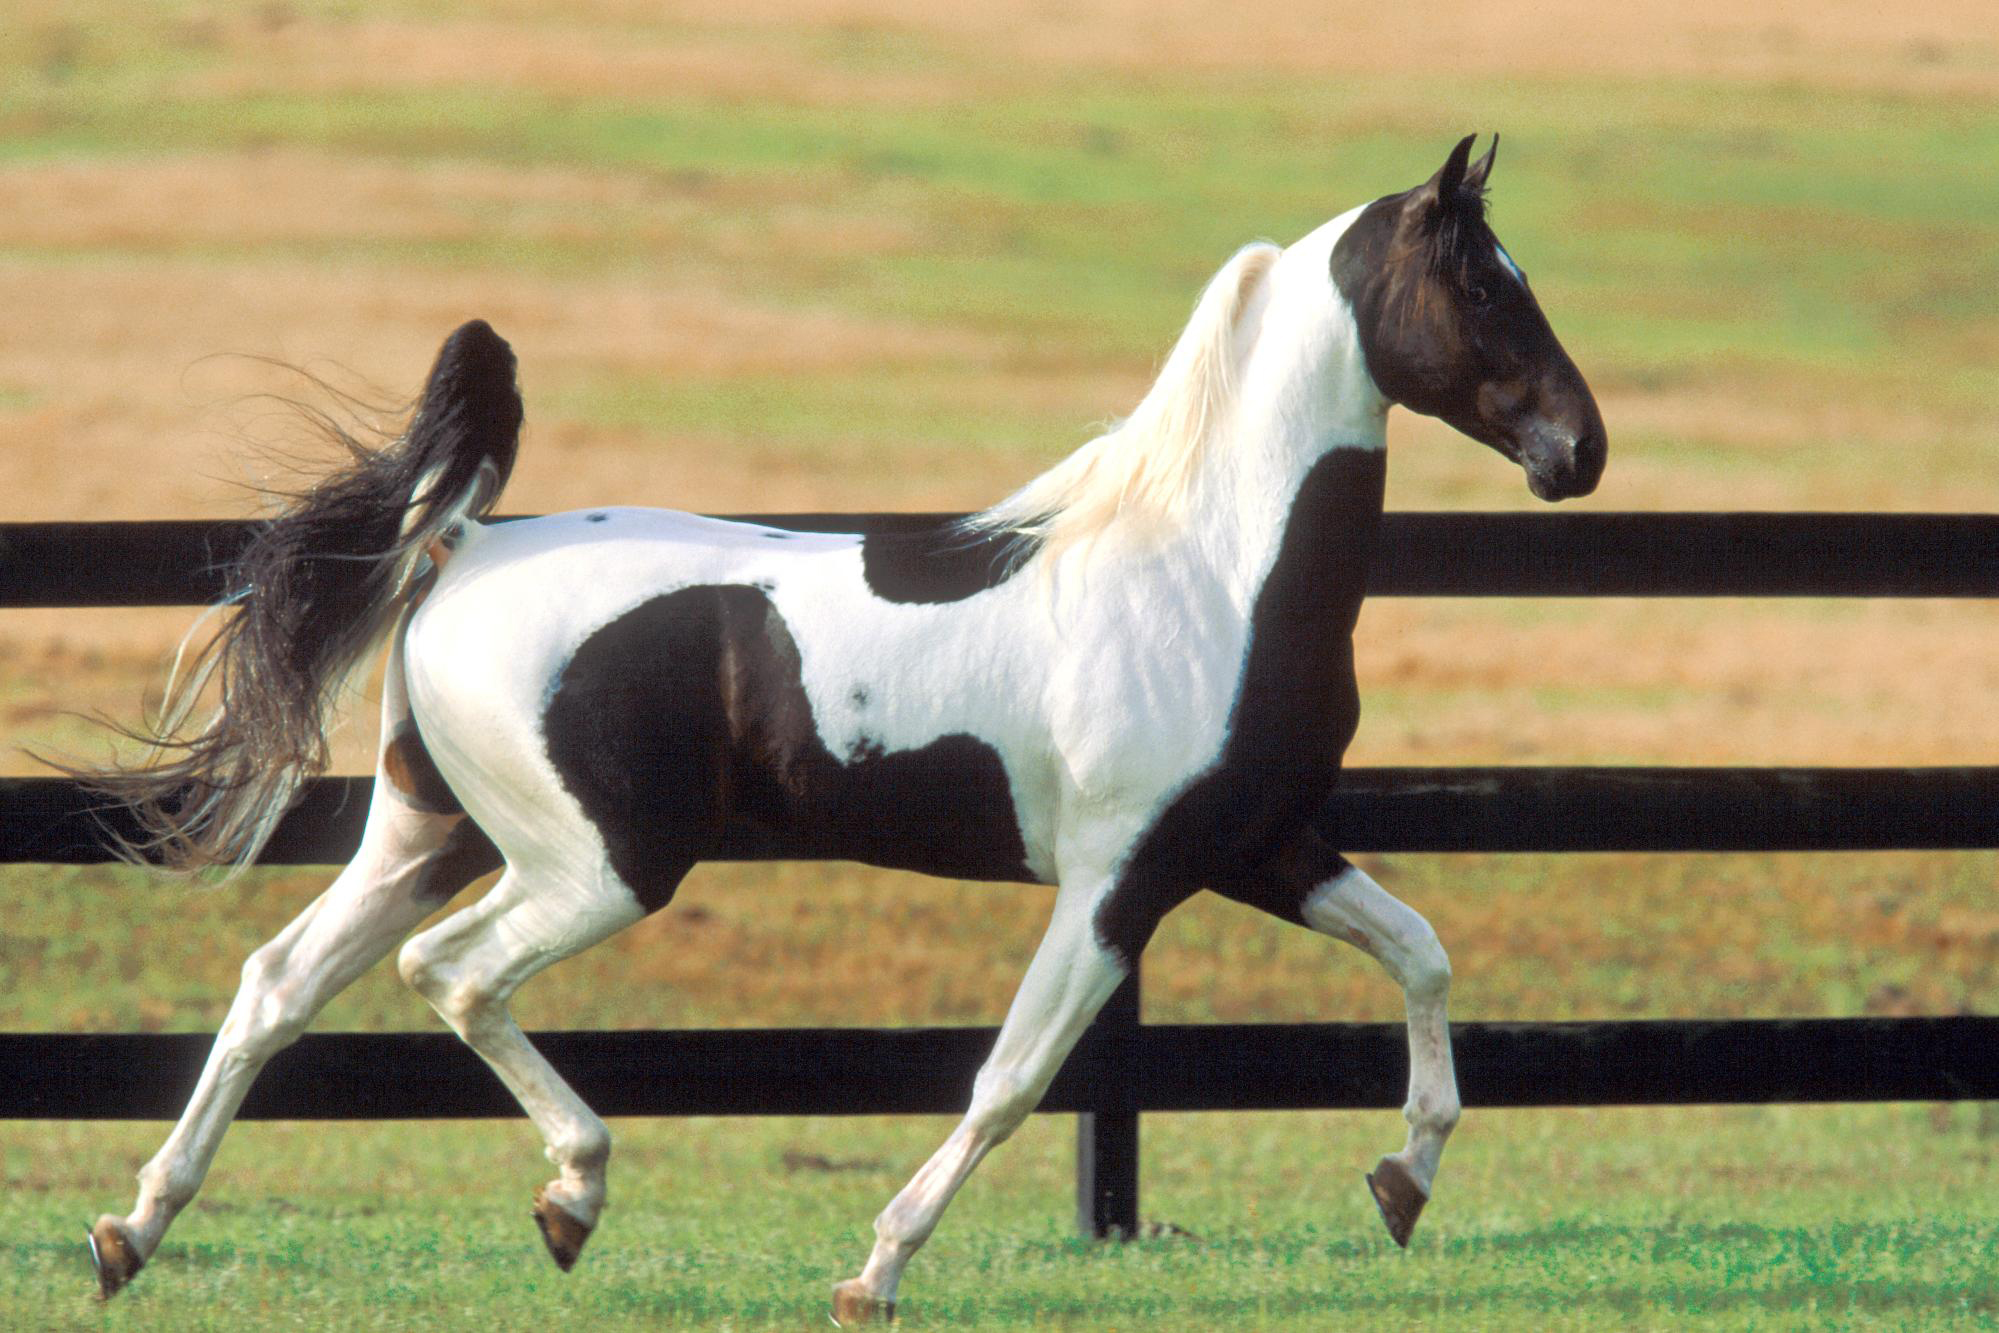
1133 679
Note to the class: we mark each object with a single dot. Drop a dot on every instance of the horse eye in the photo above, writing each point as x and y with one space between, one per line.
1480 297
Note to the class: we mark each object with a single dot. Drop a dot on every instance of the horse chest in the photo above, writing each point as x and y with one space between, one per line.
1296 704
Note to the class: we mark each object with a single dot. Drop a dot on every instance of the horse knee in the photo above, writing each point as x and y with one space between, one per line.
1427 969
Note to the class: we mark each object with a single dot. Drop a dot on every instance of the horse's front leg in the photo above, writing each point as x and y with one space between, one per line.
1315 886
1072 974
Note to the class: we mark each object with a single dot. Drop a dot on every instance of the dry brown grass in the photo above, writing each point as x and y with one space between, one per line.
1942 49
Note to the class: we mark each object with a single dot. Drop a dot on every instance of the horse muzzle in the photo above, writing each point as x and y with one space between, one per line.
1561 462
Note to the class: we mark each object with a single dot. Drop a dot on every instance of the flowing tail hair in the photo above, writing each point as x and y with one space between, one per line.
315 590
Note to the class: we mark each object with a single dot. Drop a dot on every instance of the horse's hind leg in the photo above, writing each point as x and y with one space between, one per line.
412 859
408 865
470 964
1320 889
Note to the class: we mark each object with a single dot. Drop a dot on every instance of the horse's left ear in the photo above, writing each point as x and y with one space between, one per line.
1443 187
1475 178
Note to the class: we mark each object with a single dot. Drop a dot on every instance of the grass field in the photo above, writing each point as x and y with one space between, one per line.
842 254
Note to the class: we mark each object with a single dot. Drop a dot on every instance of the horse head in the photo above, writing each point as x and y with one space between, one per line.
1450 328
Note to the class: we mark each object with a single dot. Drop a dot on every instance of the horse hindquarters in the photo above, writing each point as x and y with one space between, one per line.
538 738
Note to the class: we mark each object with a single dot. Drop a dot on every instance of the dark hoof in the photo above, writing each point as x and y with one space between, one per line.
114 1257
853 1306
561 1230
1399 1198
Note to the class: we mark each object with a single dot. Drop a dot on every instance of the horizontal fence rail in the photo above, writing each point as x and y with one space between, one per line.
929 1071
54 821
178 562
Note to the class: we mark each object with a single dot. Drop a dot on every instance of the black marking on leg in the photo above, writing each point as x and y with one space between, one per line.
773 535
685 722
597 517
859 696
941 563
1281 886
1296 710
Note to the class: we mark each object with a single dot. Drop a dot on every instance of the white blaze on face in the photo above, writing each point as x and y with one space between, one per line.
1507 260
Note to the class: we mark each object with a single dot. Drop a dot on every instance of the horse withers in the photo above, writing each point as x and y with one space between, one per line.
1132 679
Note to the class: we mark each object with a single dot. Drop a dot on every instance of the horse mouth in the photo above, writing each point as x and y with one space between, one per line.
1548 483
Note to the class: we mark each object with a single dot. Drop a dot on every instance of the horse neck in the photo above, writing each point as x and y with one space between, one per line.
1306 412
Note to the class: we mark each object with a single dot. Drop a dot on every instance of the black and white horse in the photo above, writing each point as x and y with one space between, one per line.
1133 679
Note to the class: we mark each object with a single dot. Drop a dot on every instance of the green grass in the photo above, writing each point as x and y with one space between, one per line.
1743 1218
1774 1217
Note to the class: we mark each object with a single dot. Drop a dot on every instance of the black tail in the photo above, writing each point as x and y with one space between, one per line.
313 592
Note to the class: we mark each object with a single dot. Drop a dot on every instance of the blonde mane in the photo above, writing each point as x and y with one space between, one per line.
1141 470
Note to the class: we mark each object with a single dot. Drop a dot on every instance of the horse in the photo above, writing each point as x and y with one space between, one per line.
1132 679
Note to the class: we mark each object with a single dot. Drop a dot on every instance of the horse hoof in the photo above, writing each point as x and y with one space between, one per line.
1399 1198
561 1230
853 1306
113 1255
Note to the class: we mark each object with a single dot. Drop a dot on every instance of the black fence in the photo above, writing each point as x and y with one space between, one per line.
1125 1067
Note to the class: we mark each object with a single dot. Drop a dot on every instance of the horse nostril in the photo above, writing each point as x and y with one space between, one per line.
1592 450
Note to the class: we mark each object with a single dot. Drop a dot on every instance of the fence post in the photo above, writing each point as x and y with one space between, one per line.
1107 1137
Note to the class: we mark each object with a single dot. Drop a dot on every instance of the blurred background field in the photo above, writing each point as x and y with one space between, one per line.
832 254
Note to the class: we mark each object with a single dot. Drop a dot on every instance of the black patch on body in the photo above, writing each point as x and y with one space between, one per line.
596 518
941 563
683 728
1238 826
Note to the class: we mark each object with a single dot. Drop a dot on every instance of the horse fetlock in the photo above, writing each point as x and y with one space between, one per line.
115 1255
1434 1117
582 1152
166 1185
